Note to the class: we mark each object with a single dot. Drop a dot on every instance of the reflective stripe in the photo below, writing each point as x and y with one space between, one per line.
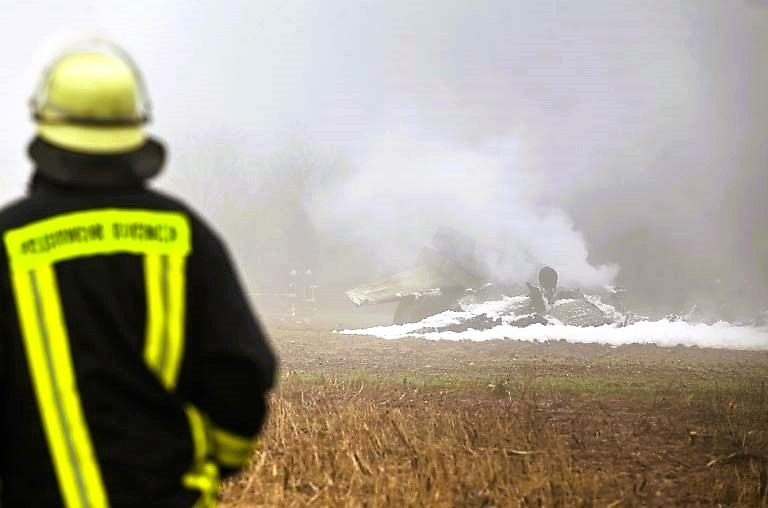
95 232
153 342
205 479
198 429
165 282
204 475
50 365
231 450
164 279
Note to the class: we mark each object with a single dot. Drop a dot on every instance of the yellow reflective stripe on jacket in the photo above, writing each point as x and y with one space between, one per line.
32 252
95 232
199 430
231 450
50 365
165 282
204 475
204 478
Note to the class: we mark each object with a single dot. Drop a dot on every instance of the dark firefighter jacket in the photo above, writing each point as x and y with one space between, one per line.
132 370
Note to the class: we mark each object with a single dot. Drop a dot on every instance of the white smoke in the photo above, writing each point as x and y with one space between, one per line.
409 183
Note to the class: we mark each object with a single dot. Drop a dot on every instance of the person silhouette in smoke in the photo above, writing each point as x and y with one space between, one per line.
548 283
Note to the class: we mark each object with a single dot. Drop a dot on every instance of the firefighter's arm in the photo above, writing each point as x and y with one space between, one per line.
229 366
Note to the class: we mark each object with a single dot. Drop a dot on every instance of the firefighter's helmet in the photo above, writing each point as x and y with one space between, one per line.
92 99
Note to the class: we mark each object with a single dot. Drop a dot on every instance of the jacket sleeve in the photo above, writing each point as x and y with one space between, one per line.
228 367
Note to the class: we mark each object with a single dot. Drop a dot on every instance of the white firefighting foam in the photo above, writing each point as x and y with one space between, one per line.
663 333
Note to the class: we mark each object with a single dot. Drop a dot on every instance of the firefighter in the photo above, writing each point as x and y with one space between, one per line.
132 369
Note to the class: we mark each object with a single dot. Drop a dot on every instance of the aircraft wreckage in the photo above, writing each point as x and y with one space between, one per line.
446 278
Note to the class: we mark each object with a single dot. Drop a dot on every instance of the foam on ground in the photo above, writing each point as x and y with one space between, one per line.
663 333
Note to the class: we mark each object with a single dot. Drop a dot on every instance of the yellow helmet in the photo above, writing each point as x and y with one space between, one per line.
92 99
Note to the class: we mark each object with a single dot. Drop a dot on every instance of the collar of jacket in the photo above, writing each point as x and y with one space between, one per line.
72 169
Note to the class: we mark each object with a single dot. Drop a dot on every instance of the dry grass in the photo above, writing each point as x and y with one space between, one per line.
500 436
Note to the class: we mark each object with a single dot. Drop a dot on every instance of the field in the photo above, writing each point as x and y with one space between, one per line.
359 421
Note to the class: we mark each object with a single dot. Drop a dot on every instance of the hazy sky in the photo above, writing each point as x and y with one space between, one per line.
557 130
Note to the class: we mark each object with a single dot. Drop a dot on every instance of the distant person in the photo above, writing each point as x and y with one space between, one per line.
132 371
548 282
